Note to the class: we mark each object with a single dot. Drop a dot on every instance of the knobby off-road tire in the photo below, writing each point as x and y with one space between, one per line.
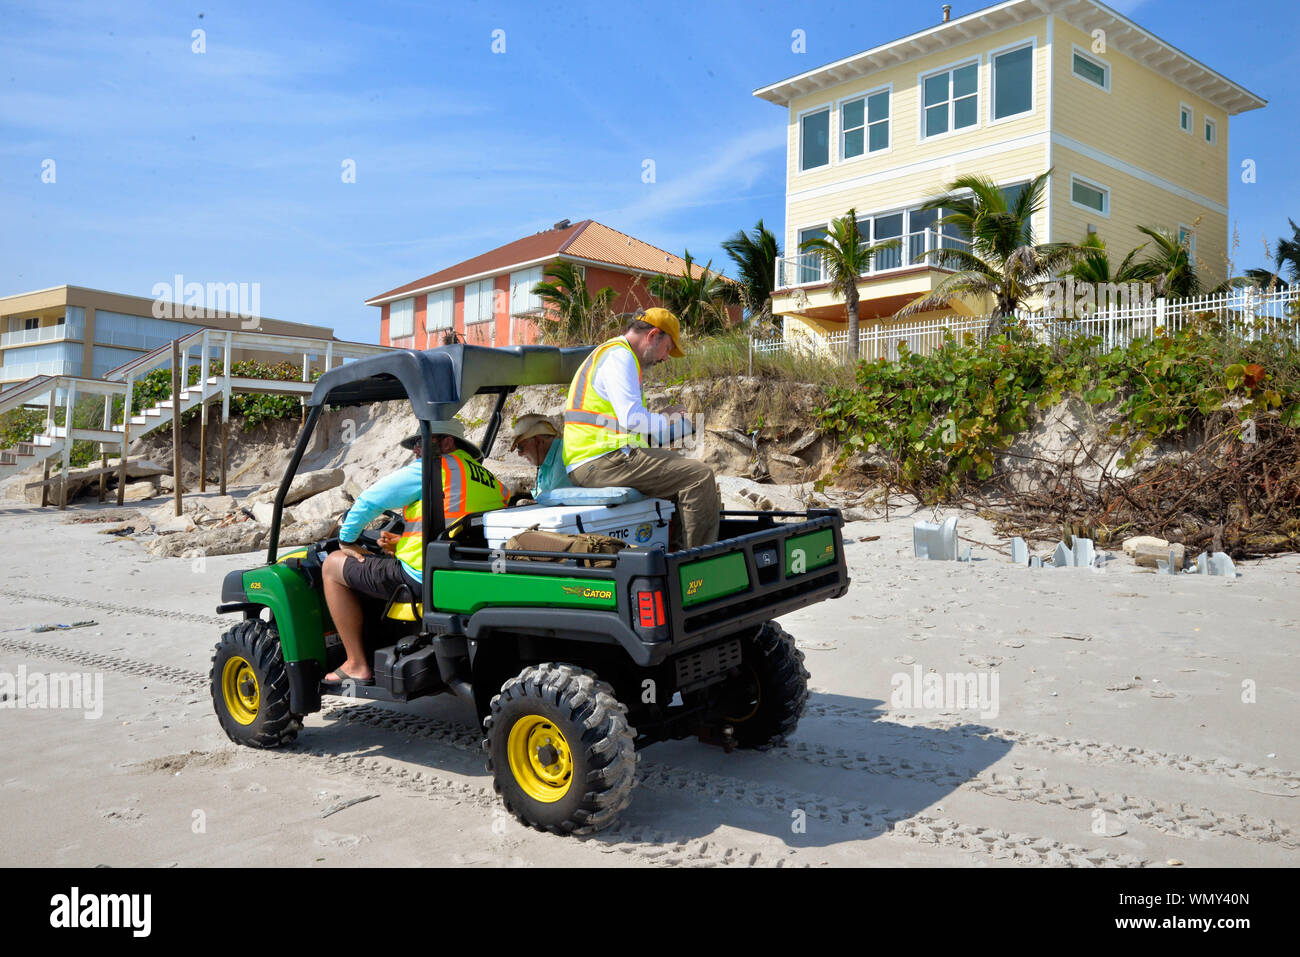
773 668
560 750
250 687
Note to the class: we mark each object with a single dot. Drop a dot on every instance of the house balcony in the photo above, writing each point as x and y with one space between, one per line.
897 277
50 333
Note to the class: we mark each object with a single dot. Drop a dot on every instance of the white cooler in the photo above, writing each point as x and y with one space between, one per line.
642 524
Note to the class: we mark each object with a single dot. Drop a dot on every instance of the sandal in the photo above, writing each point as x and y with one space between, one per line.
343 677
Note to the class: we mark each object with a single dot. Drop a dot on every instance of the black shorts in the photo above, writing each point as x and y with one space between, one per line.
378 577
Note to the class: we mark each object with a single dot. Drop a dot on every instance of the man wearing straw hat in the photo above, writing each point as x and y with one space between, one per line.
538 440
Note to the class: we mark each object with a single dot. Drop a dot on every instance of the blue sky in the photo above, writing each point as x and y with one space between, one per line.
226 166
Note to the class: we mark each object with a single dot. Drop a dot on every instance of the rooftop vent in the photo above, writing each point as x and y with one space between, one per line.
562 224
947 12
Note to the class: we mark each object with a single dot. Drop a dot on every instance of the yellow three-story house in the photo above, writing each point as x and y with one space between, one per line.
1135 131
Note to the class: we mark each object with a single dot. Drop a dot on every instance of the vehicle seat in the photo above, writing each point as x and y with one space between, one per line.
577 495
404 606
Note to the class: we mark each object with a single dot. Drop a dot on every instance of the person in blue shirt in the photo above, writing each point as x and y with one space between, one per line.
538 440
350 573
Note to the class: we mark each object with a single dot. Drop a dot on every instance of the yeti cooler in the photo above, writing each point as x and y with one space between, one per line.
642 524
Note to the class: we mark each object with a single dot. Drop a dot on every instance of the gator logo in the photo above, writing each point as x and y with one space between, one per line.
584 591
693 586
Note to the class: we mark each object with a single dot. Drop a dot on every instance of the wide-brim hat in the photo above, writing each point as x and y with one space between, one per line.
445 427
530 425
667 323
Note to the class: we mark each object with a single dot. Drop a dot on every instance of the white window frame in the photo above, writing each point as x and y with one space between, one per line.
1208 125
407 313
831 134
488 284
526 295
1091 184
1076 50
447 295
978 61
1191 118
866 125
1032 43
824 226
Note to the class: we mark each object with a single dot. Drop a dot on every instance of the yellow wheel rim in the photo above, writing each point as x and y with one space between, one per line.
239 689
540 759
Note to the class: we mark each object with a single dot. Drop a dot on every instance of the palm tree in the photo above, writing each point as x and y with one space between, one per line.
1170 265
1003 260
699 302
580 315
1288 255
846 257
755 255
1093 266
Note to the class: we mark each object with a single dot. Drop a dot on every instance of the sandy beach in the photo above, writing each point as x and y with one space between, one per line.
1140 720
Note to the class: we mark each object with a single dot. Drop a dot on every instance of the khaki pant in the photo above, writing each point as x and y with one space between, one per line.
661 473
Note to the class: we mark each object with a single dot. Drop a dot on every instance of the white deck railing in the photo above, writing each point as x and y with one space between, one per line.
808 269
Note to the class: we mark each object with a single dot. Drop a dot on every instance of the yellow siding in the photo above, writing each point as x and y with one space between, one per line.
1137 121
943 155
1133 203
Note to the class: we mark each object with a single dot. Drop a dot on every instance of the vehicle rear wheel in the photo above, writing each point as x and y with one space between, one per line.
768 704
560 750
250 687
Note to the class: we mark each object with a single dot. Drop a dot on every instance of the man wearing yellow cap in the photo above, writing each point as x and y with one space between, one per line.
612 439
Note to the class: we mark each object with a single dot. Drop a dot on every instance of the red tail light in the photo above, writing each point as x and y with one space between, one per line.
650 604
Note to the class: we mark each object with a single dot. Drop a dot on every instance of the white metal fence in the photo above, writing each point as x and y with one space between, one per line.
1245 313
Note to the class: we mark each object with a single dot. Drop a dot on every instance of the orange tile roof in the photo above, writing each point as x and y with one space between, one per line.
587 239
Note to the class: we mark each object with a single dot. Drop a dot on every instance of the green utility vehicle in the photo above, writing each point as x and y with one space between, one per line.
571 667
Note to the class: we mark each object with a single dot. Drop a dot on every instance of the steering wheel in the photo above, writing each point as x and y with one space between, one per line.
369 538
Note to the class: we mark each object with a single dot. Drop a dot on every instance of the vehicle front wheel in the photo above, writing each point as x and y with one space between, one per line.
560 750
250 687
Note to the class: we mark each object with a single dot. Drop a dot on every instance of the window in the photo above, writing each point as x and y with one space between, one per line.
1090 196
401 318
1187 237
31 323
440 313
478 300
864 125
1090 69
950 100
883 229
815 139
810 264
1013 82
1211 134
1185 118
522 298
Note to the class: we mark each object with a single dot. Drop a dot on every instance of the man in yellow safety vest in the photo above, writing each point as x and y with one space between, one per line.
351 572
612 439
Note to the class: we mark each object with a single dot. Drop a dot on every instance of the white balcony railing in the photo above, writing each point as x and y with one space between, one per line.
62 330
25 370
913 250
